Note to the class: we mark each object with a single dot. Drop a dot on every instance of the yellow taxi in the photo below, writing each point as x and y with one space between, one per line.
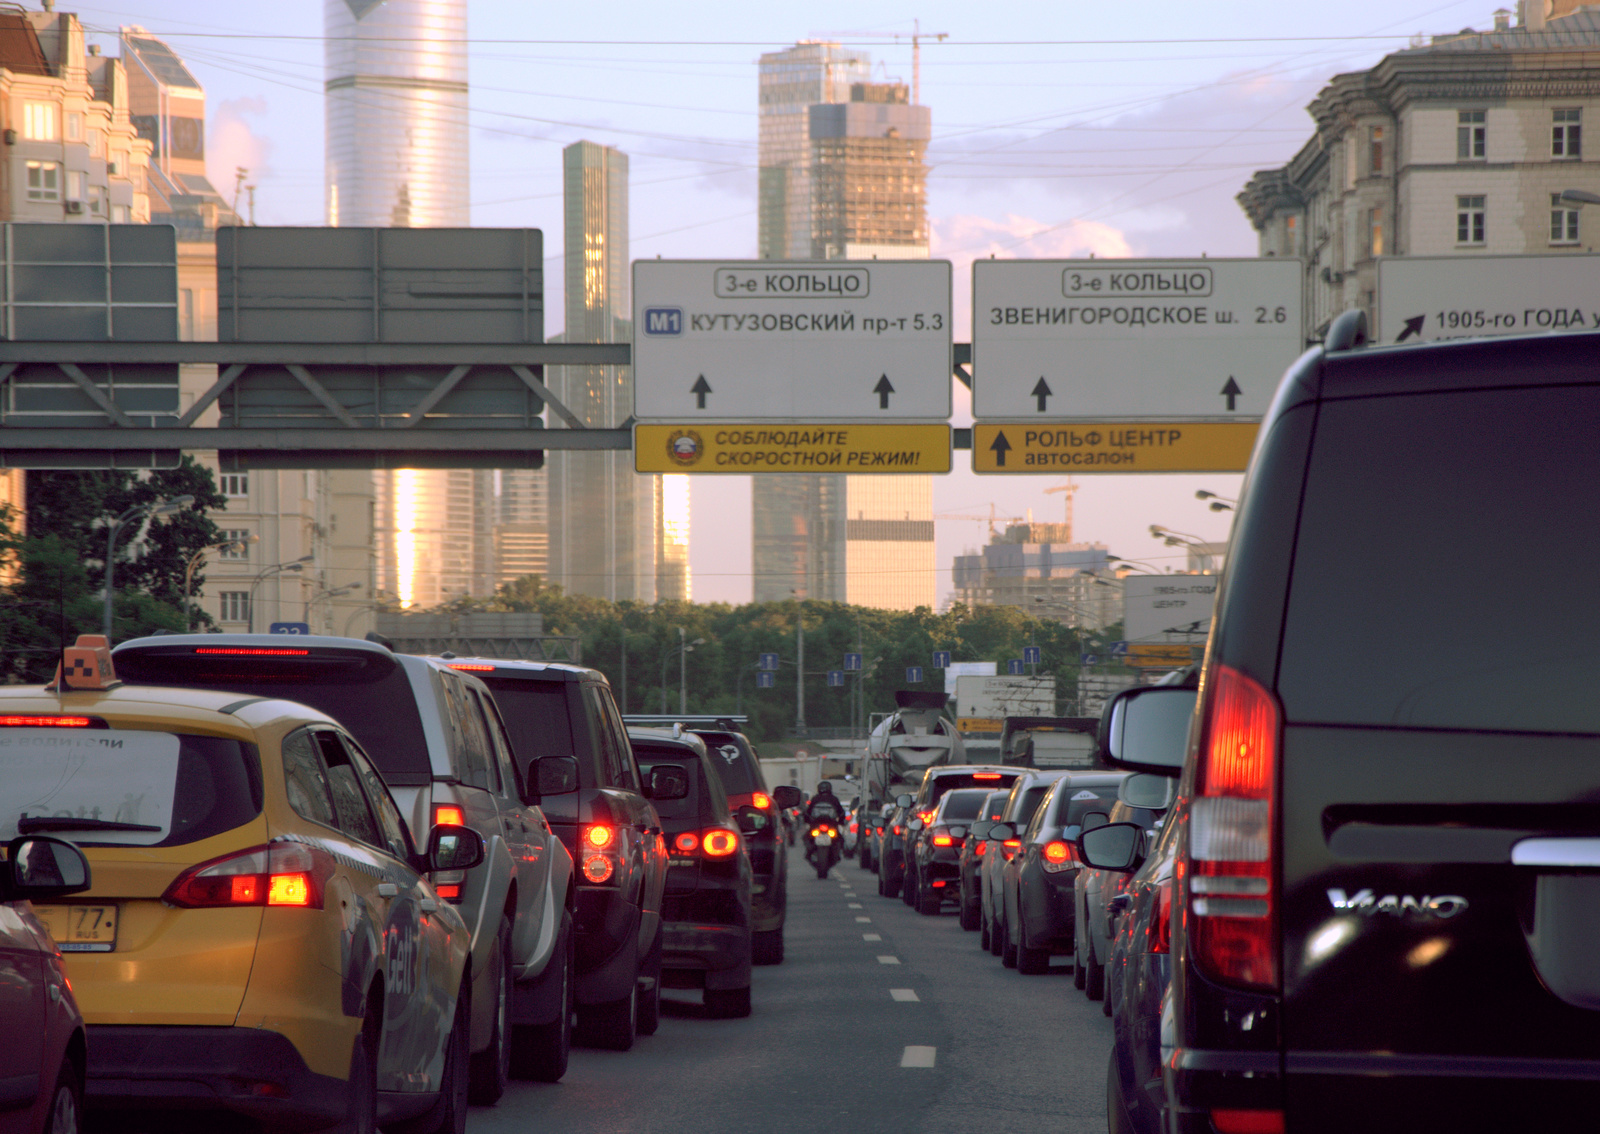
261 936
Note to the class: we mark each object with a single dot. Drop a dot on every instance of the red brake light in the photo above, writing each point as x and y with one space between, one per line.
250 652
449 891
599 836
280 874
980 847
1229 852
1057 852
719 842
926 817
45 722
986 775
761 801
899 830
1013 843
943 839
447 815
686 843
472 667
597 868
289 890
1161 927
1247 1121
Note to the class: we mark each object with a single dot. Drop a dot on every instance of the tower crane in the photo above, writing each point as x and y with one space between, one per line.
1071 490
992 518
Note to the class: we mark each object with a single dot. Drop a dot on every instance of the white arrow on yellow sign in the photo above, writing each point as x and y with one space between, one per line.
775 447
1112 447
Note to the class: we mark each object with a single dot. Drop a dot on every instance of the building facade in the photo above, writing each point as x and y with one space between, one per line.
1037 567
1461 146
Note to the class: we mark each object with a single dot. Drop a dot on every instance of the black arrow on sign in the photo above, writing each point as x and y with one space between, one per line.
883 389
700 389
1041 391
1000 446
1231 391
1413 327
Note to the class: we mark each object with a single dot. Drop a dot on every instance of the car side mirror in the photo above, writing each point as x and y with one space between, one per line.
39 866
750 820
454 848
1146 729
1149 791
903 800
1095 819
1000 832
666 782
786 796
554 775
914 825
980 828
1112 847
958 832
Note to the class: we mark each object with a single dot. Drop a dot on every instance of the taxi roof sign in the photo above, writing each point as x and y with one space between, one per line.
86 665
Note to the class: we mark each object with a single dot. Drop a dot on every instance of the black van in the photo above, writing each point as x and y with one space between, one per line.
1389 867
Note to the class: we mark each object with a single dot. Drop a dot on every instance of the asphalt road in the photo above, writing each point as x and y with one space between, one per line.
843 1032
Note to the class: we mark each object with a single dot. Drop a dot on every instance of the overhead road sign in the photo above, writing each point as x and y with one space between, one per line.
1424 299
764 340
765 680
767 447
1121 447
767 662
1159 655
941 659
1130 340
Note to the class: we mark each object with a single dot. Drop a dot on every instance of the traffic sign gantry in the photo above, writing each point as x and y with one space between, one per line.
767 447
1129 340
1427 298
761 340
1097 446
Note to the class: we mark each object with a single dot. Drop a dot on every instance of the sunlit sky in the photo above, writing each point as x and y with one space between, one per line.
1058 130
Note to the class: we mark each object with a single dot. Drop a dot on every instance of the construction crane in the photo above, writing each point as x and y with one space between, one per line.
1071 490
916 37
992 518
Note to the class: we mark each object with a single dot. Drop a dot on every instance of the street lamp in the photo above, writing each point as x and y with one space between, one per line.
1218 503
296 565
685 647
155 508
328 593
1579 197
194 561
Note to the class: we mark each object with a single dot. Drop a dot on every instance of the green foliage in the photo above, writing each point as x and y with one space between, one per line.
54 586
721 672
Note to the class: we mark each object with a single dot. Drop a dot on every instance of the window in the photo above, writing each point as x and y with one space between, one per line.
355 817
389 820
1469 220
1563 221
97 200
39 121
236 484
74 185
304 781
97 144
1470 130
122 214
1291 236
74 127
1374 149
1375 231
235 606
44 181
239 548
1566 133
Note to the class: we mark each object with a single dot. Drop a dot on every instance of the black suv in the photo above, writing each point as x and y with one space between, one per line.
1389 828
707 913
556 710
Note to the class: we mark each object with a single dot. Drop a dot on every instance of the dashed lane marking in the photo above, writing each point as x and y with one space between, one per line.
872 937
853 906
905 995
864 920
888 960
918 1056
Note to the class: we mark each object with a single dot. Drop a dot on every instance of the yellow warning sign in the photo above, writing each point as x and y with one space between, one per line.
1159 654
779 448
1126 447
979 724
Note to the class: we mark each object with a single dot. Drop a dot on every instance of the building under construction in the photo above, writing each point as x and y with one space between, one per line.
1038 568
869 175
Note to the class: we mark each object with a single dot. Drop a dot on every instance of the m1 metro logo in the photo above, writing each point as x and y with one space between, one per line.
663 320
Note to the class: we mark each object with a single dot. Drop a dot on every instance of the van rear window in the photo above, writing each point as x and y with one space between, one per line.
1446 549
363 690
536 716
733 761
691 806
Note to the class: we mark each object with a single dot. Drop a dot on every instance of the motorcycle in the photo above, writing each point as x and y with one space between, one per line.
823 850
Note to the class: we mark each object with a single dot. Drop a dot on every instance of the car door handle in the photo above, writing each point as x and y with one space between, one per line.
428 905
1120 902
388 890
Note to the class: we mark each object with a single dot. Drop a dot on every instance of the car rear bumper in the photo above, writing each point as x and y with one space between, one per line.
718 951
1048 912
607 934
247 1071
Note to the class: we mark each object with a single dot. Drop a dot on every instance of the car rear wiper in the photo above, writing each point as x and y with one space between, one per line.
27 825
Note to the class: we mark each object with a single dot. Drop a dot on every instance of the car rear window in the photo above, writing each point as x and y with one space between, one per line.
125 787
1073 803
962 804
536 715
988 781
366 691
996 805
1029 803
1446 546
689 807
734 764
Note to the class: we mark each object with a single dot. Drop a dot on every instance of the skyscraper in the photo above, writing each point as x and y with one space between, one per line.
842 177
605 519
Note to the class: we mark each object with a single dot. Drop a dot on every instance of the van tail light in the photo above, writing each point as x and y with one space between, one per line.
1231 1121
598 836
719 842
1058 856
1229 867
448 815
1161 925
598 849
279 874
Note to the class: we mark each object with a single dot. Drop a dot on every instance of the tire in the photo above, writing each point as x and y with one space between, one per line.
1094 974
1008 948
908 887
983 931
929 902
1118 1120
1077 954
361 1114
971 912
824 864
491 1067
728 1003
649 1011
611 1026
995 930
1032 962
539 1051
449 1114
66 1104
887 888
766 947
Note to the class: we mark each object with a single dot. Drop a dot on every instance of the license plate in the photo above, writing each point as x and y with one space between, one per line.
80 929
824 840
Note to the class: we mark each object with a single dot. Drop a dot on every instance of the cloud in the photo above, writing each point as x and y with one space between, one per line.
232 143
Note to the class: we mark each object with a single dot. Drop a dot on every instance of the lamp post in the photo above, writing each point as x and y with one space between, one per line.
194 561
328 593
155 508
296 565
685 648
1219 503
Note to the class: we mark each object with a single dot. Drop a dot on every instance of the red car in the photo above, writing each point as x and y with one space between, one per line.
41 1031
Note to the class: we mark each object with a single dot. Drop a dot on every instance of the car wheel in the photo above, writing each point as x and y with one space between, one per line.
491 1067
66 1106
995 941
449 1114
1094 974
361 1107
908 887
1008 948
613 1025
983 932
540 1051
929 901
766 947
1118 1120
1032 962
649 1018
728 1003
1077 954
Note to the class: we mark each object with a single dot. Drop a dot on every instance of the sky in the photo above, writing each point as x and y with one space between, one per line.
1059 130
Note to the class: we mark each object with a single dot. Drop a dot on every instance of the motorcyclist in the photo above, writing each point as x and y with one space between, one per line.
823 807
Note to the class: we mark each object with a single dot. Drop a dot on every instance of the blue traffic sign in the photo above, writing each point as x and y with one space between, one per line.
768 661
941 659
1033 655
836 677
1119 649
765 680
913 674
852 663
1089 659
1013 665
289 628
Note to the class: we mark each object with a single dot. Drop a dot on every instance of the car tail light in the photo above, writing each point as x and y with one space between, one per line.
980 847
280 874
448 815
686 843
1161 925
926 817
1229 853
719 842
761 801
1058 856
12 721
449 891
942 838
899 830
598 849
598 836
598 868
986 775
472 667
1247 1121
938 883
250 652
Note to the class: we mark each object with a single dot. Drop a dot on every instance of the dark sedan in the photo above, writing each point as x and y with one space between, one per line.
972 852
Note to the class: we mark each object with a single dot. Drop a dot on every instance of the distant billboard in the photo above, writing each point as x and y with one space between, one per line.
1167 608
